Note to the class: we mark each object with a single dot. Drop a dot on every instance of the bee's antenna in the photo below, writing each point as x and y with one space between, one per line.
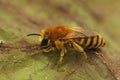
33 34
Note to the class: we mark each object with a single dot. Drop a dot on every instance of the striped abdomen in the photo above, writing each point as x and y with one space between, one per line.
92 42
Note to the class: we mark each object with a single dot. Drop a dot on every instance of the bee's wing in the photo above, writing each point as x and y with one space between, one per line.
85 31
79 32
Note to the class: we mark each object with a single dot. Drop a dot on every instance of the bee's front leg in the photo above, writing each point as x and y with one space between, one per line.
79 48
48 49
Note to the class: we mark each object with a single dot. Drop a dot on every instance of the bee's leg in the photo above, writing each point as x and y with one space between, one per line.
79 48
49 49
63 51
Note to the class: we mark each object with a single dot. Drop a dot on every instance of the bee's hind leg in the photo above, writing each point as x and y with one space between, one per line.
80 49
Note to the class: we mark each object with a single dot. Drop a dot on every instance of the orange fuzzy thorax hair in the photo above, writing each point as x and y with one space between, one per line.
56 32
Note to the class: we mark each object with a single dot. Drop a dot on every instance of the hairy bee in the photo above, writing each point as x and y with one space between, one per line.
63 37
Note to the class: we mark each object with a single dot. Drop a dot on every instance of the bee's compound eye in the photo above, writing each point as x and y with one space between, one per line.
44 41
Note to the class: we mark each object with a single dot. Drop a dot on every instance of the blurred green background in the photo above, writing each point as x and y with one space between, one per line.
21 17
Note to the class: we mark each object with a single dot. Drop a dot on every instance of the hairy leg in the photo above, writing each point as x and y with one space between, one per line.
79 48
63 51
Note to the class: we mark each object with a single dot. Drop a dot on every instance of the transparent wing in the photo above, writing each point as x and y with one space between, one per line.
79 32
87 32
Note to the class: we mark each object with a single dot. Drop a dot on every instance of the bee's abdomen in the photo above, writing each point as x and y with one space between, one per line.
92 42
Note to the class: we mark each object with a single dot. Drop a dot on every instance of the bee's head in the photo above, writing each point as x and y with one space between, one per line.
44 39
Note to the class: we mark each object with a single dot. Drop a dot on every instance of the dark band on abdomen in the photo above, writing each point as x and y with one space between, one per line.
101 42
85 40
91 42
88 40
97 41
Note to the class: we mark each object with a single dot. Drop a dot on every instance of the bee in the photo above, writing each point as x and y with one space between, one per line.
63 37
